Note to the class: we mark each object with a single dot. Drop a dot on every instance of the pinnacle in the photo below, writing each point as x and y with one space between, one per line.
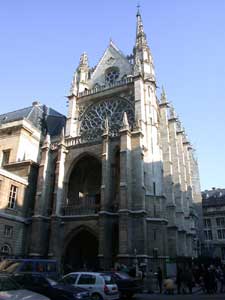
83 60
125 120
163 96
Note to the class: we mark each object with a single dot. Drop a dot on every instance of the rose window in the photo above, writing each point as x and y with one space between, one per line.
93 119
112 76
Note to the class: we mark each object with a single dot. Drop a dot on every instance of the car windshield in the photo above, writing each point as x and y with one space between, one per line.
9 266
6 284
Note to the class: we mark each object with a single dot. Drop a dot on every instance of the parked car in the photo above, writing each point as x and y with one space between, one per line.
127 285
46 286
47 267
101 286
10 290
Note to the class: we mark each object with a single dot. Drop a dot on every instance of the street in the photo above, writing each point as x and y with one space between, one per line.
178 297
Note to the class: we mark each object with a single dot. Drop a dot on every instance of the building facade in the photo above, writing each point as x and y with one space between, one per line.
121 183
213 207
21 138
118 185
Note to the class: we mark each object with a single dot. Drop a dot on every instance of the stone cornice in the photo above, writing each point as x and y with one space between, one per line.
13 176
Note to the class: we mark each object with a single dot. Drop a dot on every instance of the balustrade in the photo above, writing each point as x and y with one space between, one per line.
100 88
84 206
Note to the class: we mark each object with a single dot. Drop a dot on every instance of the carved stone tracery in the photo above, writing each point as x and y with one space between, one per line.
93 119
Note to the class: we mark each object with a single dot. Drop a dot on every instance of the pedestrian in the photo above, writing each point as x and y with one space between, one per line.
179 279
159 279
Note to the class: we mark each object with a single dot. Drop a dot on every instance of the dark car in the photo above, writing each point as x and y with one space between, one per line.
47 267
46 286
127 285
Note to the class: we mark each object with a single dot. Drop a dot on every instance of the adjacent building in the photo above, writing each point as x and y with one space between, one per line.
21 138
213 207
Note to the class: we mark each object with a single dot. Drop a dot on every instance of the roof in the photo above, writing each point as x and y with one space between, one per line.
40 116
214 197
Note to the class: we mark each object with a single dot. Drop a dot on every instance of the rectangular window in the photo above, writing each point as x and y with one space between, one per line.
5 157
12 196
223 253
8 231
220 222
207 223
221 234
208 234
154 188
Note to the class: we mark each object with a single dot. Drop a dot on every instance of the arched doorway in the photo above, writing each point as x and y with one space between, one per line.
81 252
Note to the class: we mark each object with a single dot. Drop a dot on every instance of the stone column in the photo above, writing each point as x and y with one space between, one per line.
168 180
178 196
56 228
105 232
71 122
125 191
40 220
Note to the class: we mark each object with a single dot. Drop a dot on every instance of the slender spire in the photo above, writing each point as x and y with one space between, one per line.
141 40
142 50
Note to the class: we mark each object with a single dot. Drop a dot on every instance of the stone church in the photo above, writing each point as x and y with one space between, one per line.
120 183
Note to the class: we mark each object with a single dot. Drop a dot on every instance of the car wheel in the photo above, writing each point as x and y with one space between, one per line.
96 296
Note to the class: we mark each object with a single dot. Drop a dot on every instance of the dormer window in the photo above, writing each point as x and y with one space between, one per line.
112 75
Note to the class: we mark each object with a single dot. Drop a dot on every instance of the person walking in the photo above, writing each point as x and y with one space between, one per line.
159 279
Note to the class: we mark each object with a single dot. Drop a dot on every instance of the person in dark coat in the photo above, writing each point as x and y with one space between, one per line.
179 279
159 279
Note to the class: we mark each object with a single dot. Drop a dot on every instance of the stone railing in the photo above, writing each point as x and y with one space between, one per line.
86 206
101 88
72 141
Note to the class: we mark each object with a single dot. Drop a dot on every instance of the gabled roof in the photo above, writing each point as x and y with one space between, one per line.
113 52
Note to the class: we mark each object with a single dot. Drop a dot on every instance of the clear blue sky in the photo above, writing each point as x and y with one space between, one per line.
41 42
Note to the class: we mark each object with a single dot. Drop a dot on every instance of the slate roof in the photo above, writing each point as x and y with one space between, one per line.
214 197
40 116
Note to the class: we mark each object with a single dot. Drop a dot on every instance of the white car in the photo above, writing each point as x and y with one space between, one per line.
100 286
9 290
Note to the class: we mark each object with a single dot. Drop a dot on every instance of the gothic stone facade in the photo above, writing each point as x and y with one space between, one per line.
122 181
